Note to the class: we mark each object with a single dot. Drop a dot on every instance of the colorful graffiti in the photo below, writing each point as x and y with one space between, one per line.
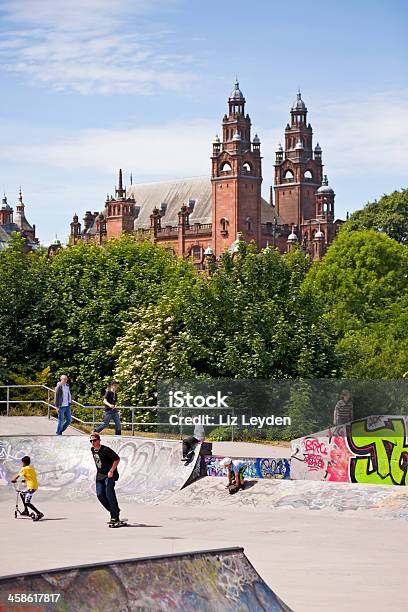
222 580
65 466
373 450
256 467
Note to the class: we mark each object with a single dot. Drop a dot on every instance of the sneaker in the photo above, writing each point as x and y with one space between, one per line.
113 521
39 516
25 513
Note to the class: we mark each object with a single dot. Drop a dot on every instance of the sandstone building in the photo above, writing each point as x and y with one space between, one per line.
16 221
201 217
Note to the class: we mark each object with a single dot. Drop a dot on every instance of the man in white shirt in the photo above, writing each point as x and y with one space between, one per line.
62 404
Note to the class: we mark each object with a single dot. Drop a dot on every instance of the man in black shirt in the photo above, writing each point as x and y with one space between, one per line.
111 412
106 461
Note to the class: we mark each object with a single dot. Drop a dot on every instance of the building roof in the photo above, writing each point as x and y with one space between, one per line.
236 94
298 104
4 238
10 227
21 220
177 193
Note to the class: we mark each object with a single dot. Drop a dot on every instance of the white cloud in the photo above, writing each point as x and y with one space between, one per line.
360 137
166 150
364 135
96 46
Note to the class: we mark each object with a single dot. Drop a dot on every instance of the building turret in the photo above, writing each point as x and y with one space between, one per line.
292 240
318 244
298 173
21 221
325 201
75 233
6 212
236 178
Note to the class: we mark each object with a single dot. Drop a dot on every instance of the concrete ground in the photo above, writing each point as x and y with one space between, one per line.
315 561
32 426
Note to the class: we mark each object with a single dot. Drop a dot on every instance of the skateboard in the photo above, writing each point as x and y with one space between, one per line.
121 523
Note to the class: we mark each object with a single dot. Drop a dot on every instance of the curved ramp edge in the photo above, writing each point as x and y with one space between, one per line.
148 467
221 580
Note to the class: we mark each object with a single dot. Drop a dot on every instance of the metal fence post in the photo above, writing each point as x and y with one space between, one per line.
232 427
49 407
133 421
8 401
93 418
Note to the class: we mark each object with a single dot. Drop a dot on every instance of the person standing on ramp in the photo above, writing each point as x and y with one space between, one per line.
106 461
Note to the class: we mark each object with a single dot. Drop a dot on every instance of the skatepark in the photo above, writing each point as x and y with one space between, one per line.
294 541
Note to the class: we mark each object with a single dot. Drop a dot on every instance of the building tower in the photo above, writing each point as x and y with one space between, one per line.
6 212
298 169
75 233
236 178
20 219
119 212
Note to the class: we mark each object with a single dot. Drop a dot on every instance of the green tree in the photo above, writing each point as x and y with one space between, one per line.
23 325
251 319
91 294
388 215
363 282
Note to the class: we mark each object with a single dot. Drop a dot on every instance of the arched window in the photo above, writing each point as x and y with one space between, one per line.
196 253
246 166
224 226
288 176
248 222
308 175
226 167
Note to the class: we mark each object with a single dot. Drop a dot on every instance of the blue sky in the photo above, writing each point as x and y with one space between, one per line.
93 85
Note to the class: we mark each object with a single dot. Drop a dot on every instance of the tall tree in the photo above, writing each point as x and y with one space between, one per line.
388 215
23 325
251 319
363 282
90 295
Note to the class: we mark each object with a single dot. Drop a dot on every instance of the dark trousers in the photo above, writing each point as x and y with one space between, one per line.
26 497
189 444
105 491
112 414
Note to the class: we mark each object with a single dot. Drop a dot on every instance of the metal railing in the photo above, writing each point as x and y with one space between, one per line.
50 406
9 401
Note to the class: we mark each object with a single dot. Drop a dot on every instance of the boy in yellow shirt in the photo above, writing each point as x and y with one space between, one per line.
29 476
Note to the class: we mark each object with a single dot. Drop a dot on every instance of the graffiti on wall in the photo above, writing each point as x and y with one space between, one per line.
256 467
65 465
373 450
213 580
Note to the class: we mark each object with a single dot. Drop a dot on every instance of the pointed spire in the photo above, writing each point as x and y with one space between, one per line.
131 178
120 191
20 203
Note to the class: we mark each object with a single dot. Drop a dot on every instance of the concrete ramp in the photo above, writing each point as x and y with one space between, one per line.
149 468
213 581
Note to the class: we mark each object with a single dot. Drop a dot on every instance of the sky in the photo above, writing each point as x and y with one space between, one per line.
88 86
